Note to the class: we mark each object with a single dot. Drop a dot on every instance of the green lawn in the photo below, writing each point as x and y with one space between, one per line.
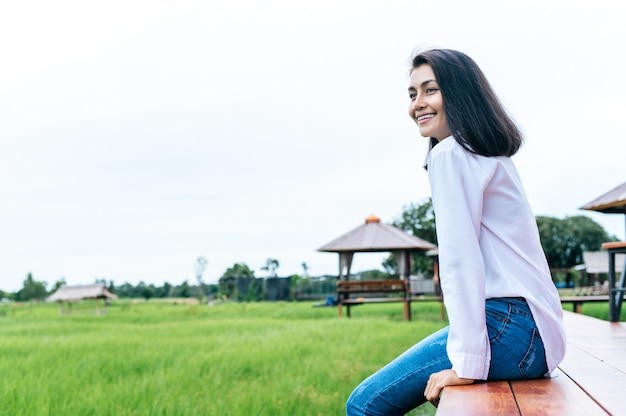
178 359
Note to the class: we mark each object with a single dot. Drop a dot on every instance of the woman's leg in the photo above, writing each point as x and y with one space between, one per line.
399 386
516 347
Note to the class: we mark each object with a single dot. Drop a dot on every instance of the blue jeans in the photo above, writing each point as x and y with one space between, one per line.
516 353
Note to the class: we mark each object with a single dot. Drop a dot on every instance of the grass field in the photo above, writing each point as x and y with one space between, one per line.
181 359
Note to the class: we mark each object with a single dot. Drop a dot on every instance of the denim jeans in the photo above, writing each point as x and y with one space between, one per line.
516 353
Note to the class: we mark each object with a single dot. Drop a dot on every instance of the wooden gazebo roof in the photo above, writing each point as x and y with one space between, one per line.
374 236
614 201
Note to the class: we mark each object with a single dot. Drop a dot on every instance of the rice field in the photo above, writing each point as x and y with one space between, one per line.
153 358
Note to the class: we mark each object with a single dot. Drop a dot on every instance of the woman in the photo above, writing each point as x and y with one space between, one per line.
504 311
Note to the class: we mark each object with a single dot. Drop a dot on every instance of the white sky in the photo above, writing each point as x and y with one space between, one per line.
139 135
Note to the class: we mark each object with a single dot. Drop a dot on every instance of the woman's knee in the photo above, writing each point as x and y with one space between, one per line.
354 406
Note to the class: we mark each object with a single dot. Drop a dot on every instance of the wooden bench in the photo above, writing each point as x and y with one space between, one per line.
577 301
590 380
358 292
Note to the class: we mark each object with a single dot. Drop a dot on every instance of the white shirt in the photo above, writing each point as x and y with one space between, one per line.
488 248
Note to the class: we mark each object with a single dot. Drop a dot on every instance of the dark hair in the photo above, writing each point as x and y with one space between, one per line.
474 114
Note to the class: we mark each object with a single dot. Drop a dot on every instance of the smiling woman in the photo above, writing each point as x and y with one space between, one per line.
504 311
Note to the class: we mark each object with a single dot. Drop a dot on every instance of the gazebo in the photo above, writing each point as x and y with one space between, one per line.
374 236
613 202
72 294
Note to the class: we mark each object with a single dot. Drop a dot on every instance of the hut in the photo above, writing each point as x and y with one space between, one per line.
71 294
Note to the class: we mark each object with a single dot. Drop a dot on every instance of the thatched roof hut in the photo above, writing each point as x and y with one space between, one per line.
72 294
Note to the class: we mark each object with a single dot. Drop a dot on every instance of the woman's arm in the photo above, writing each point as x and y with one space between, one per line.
458 180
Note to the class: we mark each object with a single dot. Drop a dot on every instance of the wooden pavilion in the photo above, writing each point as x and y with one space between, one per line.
374 236
613 201
71 294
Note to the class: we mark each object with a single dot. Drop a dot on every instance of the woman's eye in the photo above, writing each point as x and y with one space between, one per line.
412 95
430 90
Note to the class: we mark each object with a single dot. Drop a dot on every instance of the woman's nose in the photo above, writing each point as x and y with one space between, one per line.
417 104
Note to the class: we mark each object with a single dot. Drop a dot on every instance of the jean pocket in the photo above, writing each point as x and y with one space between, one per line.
533 365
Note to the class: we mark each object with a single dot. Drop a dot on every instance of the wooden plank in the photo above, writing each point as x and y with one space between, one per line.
606 341
602 382
595 359
480 399
614 245
558 396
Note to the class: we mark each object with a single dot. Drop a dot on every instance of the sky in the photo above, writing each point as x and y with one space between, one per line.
140 135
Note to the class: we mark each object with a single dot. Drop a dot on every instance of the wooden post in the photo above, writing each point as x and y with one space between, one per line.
578 307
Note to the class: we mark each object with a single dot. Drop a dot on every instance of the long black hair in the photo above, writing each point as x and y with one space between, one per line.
475 115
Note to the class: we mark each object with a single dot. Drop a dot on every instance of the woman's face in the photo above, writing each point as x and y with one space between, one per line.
426 107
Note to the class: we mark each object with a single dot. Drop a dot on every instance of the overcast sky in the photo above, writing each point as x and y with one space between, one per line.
139 135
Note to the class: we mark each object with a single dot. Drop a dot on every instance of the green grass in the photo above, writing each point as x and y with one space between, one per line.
598 310
178 359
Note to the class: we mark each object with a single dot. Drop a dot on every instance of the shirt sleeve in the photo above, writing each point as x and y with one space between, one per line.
457 185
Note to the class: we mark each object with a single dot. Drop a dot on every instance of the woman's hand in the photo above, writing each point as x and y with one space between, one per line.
437 381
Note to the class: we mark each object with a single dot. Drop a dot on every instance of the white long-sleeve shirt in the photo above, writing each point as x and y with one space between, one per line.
488 248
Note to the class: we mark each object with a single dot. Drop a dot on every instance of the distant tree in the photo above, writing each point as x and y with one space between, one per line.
305 270
199 267
238 270
163 291
228 281
184 290
57 285
564 240
126 290
145 291
417 220
32 290
271 265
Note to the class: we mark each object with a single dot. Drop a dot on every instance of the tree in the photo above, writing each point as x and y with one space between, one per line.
145 291
417 220
228 281
271 265
564 240
163 291
32 290
199 267
57 285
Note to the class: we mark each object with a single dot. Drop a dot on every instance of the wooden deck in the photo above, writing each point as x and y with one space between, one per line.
590 381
